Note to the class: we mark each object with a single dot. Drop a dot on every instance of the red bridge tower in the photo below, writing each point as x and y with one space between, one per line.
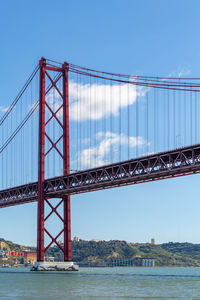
61 73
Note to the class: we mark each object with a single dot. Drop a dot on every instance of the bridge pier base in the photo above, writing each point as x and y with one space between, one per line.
61 266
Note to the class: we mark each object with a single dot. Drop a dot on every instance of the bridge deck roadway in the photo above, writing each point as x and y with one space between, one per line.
173 163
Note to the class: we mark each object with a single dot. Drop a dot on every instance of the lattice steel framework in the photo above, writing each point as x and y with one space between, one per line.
169 164
61 73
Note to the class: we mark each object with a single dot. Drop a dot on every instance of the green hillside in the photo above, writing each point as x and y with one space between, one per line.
168 254
10 246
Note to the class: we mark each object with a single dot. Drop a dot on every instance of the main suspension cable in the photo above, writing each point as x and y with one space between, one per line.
19 95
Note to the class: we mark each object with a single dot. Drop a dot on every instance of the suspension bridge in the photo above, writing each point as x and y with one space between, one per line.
74 130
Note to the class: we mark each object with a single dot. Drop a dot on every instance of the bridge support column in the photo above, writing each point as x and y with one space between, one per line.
64 154
66 164
41 165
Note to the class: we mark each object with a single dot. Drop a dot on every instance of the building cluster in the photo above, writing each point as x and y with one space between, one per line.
30 257
5 253
77 239
137 261
121 262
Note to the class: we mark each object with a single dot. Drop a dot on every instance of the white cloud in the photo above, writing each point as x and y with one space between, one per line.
96 101
85 141
4 108
183 71
96 156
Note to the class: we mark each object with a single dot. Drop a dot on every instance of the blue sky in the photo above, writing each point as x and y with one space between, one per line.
131 37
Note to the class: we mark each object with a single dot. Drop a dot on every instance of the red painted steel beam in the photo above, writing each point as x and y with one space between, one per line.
66 164
41 166
55 69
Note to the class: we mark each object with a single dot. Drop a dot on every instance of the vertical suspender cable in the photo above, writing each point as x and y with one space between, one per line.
120 113
154 104
6 163
103 105
23 164
180 113
163 100
2 159
147 122
11 156
77 128
90 122
95 122
111 125
195 118
81 121
168 121
136 122
105 109
26 145
191 117
128 119
21 144
32 137
158 120
174 114
185 117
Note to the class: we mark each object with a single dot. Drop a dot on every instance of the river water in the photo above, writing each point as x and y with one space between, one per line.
101 283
